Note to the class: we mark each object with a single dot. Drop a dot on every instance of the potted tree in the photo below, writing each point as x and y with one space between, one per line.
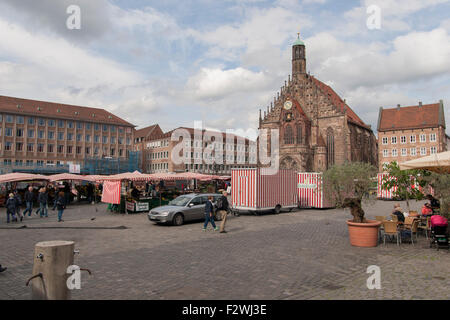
348 185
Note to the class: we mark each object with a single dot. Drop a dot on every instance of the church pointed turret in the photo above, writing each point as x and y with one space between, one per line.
298 57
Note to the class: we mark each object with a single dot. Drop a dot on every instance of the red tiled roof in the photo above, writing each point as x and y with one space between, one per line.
191 131
411 117
339 103
59 110
145 132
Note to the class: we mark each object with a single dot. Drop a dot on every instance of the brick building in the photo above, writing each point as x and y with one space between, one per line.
157 149
141 136
46 134
406 133
317 128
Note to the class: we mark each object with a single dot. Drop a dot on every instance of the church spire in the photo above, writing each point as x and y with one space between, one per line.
298 57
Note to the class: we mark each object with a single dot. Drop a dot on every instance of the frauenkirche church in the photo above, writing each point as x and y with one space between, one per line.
317 128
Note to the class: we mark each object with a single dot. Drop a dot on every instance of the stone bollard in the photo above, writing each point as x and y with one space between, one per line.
51 259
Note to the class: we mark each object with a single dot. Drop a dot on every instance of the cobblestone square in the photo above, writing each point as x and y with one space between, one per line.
303 254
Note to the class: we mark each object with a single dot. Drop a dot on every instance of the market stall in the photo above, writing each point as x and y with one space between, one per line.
19 181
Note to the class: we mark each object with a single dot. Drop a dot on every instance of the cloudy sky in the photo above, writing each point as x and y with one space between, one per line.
220 61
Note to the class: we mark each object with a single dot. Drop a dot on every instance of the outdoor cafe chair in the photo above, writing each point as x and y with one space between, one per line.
413 228
390 229
426 227
380 218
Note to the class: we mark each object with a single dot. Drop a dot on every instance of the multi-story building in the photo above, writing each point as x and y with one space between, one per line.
44 134
141 136
198 153
406 133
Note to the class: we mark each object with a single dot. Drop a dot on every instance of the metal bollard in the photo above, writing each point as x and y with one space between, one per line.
51 259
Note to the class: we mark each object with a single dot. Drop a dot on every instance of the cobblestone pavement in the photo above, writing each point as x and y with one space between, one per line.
294 255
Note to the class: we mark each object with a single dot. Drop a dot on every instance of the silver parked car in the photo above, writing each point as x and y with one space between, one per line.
187 207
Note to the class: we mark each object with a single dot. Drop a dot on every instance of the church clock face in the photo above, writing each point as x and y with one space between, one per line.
288 105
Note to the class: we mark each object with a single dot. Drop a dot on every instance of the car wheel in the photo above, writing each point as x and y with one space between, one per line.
277 209
178 220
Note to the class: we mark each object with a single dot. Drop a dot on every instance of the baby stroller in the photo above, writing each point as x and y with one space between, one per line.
439 235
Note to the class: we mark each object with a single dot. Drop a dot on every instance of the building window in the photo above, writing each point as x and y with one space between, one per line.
113 151
30 163
330 147
113 140
19 133
403 139
41 122
20 120
78 150
7 162
60 148
394 152
79 125
41 134
79 137
88 150
70 125
69 136
105 127
96 127
51 135
385 153
423 151
385 140
69 149
88 126
40 147
120 152
50 148
19 163
30 147
31 121
113 128
9 118
423 138
393 140
19 146
96 139
60 123
60 135
40 163
413 151
30 133
105 139
8 132
433 150
120 140
432 137
412 139
88 138
404 152
95 151
51 123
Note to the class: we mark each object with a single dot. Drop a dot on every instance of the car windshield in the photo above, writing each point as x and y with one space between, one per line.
180 201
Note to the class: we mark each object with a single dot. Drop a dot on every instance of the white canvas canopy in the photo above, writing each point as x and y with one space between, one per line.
439 162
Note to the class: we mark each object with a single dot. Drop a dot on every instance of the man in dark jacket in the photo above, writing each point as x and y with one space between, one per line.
29 197
222 207
43 198
90 192
18 204
11 208
209 214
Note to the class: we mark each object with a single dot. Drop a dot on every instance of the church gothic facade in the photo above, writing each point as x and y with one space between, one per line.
317 129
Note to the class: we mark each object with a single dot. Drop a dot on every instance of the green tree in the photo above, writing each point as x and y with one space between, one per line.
349 180
404 182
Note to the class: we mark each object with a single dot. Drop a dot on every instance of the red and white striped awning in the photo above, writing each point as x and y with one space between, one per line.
18 176
70 176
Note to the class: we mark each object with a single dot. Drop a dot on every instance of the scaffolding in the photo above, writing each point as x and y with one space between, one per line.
97 166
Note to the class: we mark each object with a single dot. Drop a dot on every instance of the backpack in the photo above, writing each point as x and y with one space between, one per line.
219 203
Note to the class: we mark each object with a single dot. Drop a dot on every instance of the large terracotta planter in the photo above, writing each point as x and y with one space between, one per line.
363 234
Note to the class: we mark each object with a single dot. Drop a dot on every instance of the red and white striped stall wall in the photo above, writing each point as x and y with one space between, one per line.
253 189
310 191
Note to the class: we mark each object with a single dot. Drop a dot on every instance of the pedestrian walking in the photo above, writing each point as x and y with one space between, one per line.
90 193
11 208
61 205
18 204
222 207
209 214
43 199
29 197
